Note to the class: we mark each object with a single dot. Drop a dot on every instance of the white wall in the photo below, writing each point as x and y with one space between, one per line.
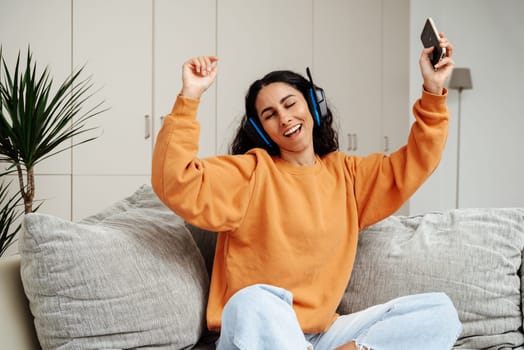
487 37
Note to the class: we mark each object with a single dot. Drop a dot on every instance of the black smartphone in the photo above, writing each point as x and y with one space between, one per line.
430 37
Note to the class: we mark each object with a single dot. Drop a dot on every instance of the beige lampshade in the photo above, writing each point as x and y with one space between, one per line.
460 79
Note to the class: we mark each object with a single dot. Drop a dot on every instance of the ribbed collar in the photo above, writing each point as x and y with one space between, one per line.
290 168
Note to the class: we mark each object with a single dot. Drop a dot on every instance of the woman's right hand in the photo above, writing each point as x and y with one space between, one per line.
198 73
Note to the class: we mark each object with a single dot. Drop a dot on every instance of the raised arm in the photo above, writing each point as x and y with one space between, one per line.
383 183
213 192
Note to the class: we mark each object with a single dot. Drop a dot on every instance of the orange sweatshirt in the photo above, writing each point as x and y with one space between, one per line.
284 225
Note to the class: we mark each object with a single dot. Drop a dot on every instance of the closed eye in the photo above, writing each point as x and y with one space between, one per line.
269 115
287 101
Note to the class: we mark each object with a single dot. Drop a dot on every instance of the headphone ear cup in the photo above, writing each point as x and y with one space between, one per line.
321 101
317 104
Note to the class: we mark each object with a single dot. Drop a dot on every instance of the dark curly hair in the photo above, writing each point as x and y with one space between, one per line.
325 138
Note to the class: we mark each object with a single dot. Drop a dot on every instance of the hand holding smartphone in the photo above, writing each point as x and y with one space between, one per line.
430 37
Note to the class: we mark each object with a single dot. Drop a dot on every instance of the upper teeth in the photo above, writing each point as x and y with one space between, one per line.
292 130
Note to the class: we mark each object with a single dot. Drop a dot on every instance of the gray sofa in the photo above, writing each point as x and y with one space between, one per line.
136 276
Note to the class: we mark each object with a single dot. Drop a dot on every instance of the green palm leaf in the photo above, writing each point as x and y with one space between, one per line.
35 125
8 216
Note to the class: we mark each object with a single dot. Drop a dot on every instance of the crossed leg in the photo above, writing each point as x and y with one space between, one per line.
261 317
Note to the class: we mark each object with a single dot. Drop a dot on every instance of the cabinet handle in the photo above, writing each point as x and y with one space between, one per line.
162 120
352 142
147 127
386 143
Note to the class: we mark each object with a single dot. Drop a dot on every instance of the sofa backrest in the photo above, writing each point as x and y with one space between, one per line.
16 322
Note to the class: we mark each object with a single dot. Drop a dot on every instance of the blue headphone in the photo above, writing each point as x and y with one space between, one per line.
316 99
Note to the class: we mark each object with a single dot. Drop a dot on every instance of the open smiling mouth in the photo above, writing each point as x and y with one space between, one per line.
293 130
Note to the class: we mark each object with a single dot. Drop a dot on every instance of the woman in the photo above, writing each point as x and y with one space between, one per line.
288 214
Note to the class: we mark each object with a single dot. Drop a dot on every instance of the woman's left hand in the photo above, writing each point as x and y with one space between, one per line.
435 77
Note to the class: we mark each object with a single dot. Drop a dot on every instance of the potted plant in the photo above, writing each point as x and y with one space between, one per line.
35 123
38 121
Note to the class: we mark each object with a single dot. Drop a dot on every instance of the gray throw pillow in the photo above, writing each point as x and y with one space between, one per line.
128 277
473 255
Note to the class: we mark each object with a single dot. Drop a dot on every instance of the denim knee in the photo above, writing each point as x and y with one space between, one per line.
255 300
445 312
422 321
260 317
441 317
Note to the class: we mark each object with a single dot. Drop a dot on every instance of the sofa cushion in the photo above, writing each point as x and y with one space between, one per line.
128 277
473 255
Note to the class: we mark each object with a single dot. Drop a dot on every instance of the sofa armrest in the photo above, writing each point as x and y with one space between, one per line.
16 322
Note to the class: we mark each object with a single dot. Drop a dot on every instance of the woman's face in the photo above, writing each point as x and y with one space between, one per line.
285 116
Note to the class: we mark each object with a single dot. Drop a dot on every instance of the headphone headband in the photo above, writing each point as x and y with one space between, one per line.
317 99
309 76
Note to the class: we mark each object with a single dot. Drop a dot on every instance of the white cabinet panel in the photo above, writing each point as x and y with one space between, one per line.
396 107
134 52
178 38
361 58
253 39
45 26
114 39
52 193
91 194
347 61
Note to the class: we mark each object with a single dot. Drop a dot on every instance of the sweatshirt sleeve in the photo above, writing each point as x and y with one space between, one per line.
211 193
383 183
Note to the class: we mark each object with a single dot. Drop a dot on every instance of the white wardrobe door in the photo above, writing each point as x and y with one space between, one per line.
113 39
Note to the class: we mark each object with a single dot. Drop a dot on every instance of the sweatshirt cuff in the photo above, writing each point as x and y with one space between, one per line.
433 102
185 107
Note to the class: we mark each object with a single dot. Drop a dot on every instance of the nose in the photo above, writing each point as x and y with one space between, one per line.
285 116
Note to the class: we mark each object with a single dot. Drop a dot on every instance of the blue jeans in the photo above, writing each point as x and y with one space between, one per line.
261 317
